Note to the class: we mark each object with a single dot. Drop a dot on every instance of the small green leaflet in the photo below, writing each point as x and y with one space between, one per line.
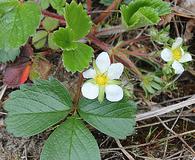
49 24
18 21
58 5
64 38
114 119
76 56
71 141
77 19
8 54
39 39
140 13
33 109
77 59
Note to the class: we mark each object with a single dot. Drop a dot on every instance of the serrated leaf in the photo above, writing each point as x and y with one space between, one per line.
77 19
33 109
141 13
71 141
8 54
114 119
77 59
64 38
58 5
144 16
50 24
39 39
18 23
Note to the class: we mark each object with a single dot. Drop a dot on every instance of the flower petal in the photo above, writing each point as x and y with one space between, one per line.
103 62
90 73
178 42
178 67
114 93
166 55
90 90
115 70
185 58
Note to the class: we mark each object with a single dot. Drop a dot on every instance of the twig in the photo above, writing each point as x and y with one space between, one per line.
3 113
99 43
177 135
54 15
3 91
149 143
123 150
89 6
164 110
103 16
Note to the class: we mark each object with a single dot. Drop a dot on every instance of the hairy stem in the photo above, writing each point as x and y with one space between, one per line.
78 93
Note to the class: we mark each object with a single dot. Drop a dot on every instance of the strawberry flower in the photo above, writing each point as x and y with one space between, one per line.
176 56
103 80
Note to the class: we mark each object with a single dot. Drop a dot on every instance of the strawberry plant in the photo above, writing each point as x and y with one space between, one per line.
28 30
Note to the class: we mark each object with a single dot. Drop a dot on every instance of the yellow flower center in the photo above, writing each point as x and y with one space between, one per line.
177 54
101 79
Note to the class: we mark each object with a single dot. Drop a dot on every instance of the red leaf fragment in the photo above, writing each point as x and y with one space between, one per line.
16 75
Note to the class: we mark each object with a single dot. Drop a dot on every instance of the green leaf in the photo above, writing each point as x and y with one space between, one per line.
114 119
44 4
144 16
7 5
8 54
64 38
140 13
18 22
50 24
39 39
33 109
77 59
77 19
58 5
71 141
51 43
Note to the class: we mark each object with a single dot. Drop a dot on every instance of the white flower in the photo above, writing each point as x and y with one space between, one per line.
103 79
176 56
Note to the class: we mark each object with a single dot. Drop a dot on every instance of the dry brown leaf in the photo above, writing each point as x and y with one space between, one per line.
189 30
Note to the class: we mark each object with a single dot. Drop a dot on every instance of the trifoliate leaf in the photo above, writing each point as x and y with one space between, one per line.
39 39
77 19
33 109
114 119
140 13
77 59
8 54
18 22
58 5
50 24
71 141
64 38
151 84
